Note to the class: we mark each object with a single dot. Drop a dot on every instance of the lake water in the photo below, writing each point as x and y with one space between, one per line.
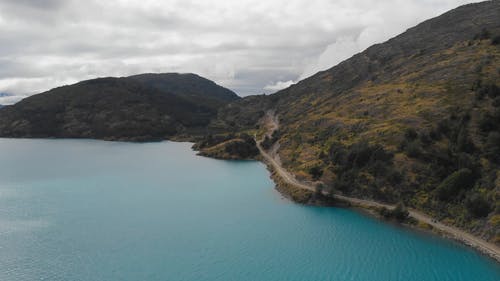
93 210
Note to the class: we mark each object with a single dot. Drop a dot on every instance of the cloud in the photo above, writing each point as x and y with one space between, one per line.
6 99
279 85
248 46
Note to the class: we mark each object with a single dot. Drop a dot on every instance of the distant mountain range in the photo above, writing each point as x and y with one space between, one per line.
414 120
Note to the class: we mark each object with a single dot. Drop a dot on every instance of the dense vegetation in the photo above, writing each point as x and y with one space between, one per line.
229 146
399 213
142 107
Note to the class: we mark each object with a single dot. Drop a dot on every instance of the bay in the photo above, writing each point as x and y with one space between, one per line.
95 210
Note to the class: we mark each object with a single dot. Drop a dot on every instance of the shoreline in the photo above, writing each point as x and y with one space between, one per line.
289 187
285 182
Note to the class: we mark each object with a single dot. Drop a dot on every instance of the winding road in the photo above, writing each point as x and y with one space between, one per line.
270 121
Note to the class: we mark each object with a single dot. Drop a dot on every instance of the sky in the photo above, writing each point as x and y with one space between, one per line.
250 47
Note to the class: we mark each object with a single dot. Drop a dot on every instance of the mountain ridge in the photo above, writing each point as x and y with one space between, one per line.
125 108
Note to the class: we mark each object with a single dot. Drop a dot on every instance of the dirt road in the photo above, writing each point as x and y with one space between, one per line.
270 121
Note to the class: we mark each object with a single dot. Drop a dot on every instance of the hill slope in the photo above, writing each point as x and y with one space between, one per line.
141 107
414 120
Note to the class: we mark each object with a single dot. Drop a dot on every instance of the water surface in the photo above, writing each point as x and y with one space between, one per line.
93 210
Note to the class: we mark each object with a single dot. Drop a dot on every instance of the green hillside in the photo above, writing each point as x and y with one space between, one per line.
414 120
136 108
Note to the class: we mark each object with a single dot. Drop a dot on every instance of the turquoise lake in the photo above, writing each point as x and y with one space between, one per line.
94 210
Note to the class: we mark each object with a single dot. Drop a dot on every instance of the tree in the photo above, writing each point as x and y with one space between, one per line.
411 134
477 205
492 147
496 40
456 182
316 172
399 213
485 34
319 188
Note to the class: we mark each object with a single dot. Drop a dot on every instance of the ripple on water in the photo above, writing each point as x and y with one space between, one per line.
120 211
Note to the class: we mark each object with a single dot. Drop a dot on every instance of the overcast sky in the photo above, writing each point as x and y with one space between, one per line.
250 47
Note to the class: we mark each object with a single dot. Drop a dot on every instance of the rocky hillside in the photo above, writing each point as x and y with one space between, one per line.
413 120
136 108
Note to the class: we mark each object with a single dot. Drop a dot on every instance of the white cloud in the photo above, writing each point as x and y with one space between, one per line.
7 100
247 45
279 85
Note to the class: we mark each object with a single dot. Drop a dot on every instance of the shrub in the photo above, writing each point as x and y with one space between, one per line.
491 90
316 172
337 154
496 40
455 183
399 213
411 134
319 188
266 143
361 154
496 102
413 149
487 122
244 149
443 127
477 205
425 138
492 147
483 35
463 142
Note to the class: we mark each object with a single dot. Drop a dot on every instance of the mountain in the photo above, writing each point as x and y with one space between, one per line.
191 86
412 120
137 108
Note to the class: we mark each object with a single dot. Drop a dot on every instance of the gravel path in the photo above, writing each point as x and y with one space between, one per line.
270 121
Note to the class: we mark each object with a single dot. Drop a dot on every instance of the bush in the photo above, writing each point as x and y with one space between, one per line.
477 205
337 154
426 138
492 147
490 90
361 154
496 102
413 149
316 172
488 122
246 149
463 142
483 35
269 141
399 213
496 40
443 127
458 181
266 143
411 134
361 158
